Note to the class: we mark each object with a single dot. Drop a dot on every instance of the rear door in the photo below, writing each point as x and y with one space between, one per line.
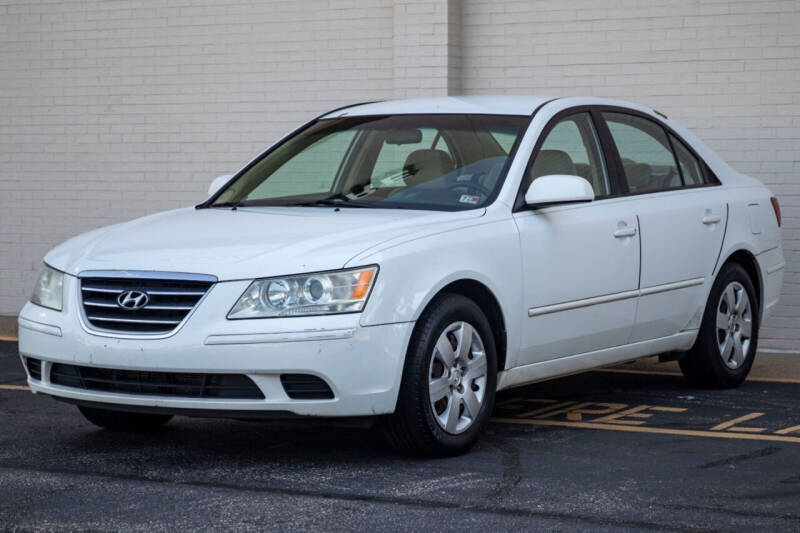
681 221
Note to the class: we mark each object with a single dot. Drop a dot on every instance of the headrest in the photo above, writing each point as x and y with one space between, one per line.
553 162
425 165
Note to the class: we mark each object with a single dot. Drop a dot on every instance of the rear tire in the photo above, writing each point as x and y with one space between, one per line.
449 381
726 345
123 420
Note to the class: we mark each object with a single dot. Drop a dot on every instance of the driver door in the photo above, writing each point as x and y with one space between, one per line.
580 262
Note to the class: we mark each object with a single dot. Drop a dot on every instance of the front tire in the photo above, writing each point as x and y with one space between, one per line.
449 381
123 420
727 342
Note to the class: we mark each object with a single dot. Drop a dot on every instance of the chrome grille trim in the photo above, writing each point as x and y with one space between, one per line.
117 290
173 298
91 303
97 304
132 320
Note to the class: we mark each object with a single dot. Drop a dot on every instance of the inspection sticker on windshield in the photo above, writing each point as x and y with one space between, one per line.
469 199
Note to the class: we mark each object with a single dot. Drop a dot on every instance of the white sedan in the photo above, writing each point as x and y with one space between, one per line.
406 260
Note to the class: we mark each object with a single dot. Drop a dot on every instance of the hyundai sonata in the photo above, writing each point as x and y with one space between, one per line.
404 261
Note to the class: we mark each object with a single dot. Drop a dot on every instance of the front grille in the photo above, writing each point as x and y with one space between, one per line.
34 368
181 384
305 387
168 303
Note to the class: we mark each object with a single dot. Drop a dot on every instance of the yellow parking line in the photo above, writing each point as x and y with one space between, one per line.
8 338
13 387
644 429
735 421
678 374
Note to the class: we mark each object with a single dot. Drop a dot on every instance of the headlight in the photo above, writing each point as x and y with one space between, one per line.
49 289
324 293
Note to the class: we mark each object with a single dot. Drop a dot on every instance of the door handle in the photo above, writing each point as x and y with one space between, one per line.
625 232
711 219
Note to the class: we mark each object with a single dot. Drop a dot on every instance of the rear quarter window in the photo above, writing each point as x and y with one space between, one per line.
692 169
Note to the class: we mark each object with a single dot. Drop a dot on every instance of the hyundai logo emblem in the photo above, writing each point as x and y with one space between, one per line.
132 300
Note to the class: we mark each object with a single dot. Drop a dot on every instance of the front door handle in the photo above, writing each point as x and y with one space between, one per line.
711 219
625 232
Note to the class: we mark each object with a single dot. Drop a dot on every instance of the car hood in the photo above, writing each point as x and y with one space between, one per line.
246 242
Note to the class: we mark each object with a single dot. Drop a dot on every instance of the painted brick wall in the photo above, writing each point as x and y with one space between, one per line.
111 109
421 37
729 70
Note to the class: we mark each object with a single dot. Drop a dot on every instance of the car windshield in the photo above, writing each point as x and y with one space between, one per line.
439 162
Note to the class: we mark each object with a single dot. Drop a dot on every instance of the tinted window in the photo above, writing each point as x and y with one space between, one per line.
505 139
691 167
572 148
438 161
312 170
645 152
392 156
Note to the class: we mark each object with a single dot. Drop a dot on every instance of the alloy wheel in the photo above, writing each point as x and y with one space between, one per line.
734 325
457 377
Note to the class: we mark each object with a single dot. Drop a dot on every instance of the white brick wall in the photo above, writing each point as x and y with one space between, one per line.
113 109
729 70
423 43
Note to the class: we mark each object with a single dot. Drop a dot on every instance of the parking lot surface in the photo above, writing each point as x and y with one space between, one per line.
618 449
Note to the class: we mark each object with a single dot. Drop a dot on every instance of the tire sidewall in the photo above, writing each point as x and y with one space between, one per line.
725 374
454 308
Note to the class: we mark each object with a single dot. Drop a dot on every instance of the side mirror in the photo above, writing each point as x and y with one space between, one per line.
217 184
558 189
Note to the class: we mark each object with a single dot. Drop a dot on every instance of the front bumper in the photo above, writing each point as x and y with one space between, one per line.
362 365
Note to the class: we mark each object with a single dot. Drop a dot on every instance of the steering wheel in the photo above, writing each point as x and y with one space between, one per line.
469 185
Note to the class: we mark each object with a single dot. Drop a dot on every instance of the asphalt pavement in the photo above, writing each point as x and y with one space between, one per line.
622 449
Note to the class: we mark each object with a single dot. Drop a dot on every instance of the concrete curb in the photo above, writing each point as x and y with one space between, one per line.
8 326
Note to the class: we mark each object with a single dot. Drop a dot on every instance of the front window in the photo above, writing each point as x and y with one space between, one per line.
573 148
440 162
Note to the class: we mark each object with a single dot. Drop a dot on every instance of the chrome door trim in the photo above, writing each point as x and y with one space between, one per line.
607 298
655 289
585 302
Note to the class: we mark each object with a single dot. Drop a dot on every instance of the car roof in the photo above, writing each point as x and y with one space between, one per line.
477 105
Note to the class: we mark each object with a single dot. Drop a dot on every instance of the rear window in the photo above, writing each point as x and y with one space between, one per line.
647 157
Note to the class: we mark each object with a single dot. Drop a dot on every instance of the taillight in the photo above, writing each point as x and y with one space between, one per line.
777 208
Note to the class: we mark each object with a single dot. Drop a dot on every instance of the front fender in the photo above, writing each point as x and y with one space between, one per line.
412 273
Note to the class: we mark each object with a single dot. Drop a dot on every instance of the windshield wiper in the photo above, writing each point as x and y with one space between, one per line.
232 205
328 203
336 200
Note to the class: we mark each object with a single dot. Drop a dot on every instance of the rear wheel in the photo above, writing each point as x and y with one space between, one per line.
726 345
123 420
449 381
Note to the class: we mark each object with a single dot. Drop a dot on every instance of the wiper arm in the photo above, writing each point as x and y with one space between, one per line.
327 202
232 205
336 200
